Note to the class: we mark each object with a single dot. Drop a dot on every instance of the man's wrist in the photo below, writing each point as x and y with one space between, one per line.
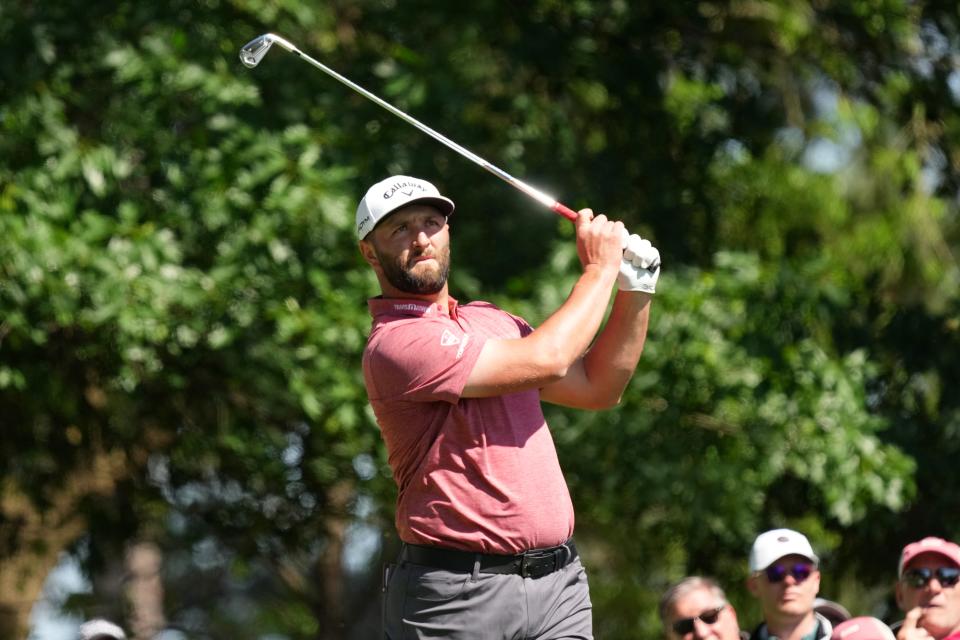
602 270
636 294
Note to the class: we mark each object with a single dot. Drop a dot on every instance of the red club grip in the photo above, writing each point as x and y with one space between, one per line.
565 211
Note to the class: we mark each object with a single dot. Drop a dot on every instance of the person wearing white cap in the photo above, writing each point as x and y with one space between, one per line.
100 629
483 510
927 590
785 578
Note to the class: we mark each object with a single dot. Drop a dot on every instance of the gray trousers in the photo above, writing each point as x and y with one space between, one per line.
423 602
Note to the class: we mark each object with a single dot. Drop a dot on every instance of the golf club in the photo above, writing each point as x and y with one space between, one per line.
253 52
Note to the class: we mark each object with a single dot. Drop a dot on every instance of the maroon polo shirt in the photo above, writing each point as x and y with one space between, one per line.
478 474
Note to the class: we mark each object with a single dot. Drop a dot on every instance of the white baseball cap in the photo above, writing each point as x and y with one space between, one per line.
100 629
772 545
395 192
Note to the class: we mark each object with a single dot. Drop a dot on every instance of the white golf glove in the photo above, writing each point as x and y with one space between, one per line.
640 267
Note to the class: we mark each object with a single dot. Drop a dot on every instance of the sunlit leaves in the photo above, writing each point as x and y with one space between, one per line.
180 278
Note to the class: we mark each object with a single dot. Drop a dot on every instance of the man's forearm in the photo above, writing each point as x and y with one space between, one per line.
547 354
570 329
613 358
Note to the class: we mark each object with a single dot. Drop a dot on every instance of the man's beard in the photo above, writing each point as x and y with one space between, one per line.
429 283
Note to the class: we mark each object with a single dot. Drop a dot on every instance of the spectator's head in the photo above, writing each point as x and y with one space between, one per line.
696 608
784 575
832 611
100 629
862 628
928 573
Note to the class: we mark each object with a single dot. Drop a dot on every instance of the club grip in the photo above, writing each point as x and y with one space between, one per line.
565 211
571 215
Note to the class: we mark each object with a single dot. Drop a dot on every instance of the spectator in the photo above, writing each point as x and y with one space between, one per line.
100 629
862 628
697 608
785 578
927 590
832 611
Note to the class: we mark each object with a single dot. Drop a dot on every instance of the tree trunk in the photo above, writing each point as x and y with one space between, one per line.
331 610
145 590
321 584
32 537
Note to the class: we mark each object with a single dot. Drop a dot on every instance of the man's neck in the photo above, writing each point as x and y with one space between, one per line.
792 628
441 297
443 301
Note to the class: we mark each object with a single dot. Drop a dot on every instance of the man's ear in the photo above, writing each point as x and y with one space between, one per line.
369 253
899 596
752 584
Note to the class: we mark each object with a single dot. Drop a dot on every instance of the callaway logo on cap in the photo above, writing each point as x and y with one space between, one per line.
391 194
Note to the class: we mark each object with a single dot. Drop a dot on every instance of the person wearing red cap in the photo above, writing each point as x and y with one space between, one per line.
483 509
927 590
862 628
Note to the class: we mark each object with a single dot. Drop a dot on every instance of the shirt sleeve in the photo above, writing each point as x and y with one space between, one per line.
421 361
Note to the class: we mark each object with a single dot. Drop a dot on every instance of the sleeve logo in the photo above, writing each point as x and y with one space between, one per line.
448 339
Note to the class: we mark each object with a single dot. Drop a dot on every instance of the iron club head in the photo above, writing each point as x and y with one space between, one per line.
252 53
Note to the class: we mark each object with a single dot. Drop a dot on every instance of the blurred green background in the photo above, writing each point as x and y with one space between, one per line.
182 305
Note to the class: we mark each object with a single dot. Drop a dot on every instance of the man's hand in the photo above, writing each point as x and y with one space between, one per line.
910 630
640 266
599 240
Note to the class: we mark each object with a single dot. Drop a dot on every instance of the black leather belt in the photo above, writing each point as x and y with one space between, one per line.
535 563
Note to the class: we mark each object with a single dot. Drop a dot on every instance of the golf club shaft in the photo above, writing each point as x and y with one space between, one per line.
253 52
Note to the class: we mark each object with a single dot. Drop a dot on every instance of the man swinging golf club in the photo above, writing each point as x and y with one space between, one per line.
483 509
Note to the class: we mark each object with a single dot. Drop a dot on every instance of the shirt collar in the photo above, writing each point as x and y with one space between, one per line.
822 628
411 307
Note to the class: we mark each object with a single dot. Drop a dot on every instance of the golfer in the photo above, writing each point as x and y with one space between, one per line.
483 509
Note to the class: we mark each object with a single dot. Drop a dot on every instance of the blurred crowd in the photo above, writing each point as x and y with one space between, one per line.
784 576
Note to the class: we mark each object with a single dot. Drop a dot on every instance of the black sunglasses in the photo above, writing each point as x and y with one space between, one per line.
685 625
800 572
919 578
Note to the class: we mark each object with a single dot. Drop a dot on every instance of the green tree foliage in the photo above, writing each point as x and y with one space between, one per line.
183 308
180 285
